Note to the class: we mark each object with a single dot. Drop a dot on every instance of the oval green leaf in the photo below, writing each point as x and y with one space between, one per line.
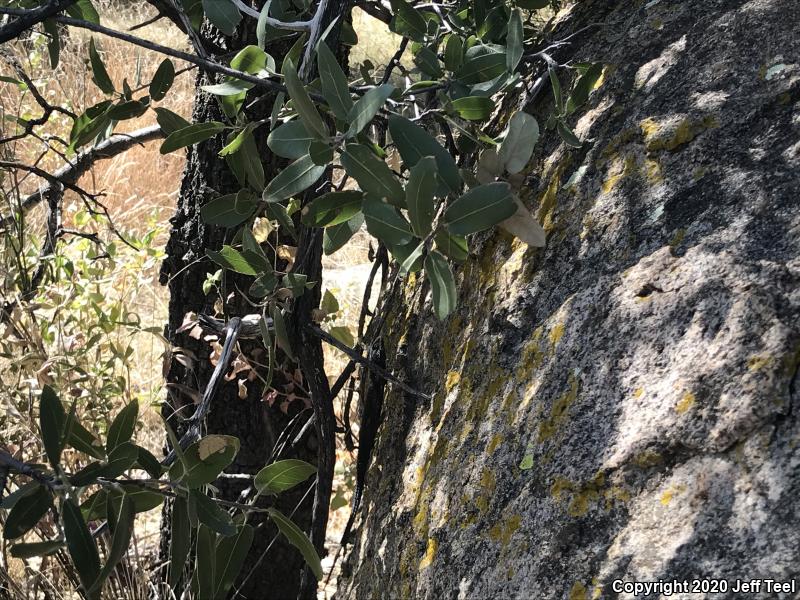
282 475
480 208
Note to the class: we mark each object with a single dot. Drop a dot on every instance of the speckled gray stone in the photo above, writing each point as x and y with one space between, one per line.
624 403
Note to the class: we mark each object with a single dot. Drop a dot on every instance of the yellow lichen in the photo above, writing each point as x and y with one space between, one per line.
558 412
619 169
648 458
685 403
673 133
494 443
547 202
669 494
676 240
637 393
581 496
453 377
532 356
430 553
756 363
556 333
578 591
652 171
502 532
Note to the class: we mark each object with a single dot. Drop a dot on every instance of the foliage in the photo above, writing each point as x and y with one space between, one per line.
105 496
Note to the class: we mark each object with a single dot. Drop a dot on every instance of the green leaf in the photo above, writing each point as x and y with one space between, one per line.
252 163
84 11
251 59
83 440
35 549
474 108
290 140
385 223
480 208
143 500
556 85
514 40
122 427
413 143
123 530
203 577
229 210
192 134
25 490
482 67
344 335
26 514
53 47
292 180
281 335
99 73
584 85
169 121
516 149
409 255
299 540
88 474
427 62
567 135
420 190
372 174
335 88
80 544
230 87
51 424
230 556
282 475
148 462
452 246
302 102
443 285
337 236
453 52
127 110
209 513
230 258
179 540
367 107
332 208
162 80
321 153
205 459
120 459
407 21
223 14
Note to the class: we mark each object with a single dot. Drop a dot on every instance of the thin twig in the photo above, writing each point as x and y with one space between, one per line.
329 339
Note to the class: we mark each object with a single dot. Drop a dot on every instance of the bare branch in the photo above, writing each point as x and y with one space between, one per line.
69 174
29 18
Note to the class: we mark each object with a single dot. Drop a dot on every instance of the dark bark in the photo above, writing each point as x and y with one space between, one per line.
253 421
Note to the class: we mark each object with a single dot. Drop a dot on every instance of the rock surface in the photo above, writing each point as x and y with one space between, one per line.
624 403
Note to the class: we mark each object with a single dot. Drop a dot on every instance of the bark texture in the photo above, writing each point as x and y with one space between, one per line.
257 424
624 403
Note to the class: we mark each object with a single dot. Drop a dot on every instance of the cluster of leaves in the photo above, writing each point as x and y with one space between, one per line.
467 57
105 495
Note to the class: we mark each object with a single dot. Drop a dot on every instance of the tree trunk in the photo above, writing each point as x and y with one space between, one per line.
623 404
254 421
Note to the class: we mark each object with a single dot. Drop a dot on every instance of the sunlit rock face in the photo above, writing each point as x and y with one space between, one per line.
622 404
